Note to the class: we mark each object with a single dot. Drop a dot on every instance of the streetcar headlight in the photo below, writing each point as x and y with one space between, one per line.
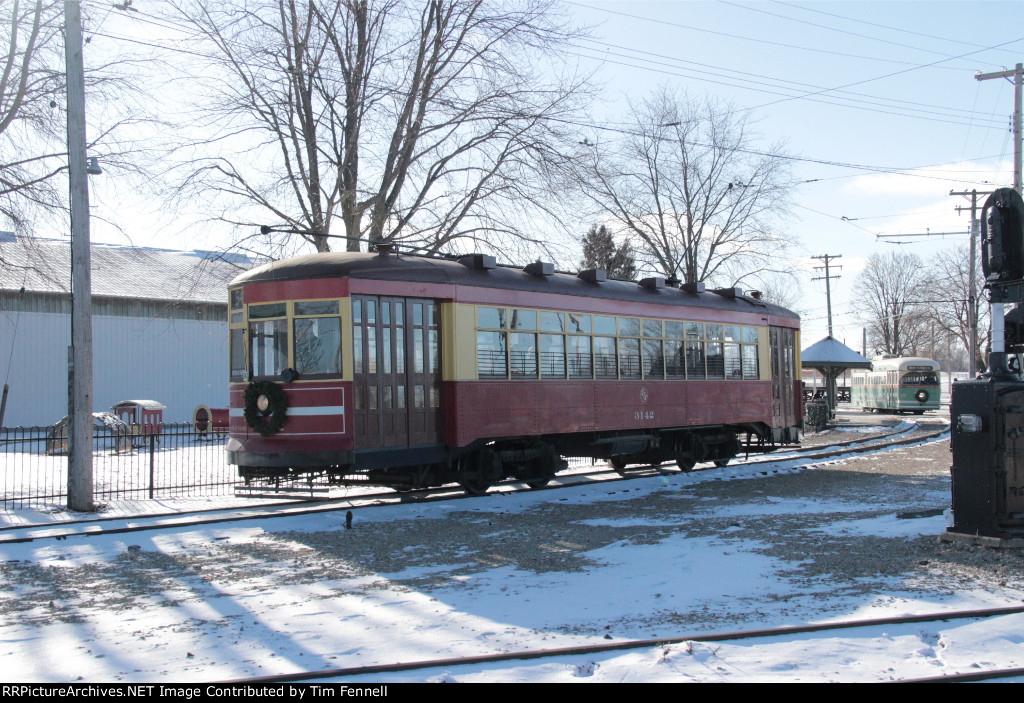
262 403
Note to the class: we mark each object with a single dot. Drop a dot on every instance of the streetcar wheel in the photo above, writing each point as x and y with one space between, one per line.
618 463
474 487
538 482
685 462
721 462
479 471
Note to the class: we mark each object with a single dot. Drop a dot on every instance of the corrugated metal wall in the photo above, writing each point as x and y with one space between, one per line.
180 363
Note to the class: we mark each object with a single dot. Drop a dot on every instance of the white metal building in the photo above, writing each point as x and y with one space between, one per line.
159 327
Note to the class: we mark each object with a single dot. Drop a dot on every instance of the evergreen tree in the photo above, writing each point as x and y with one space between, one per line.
601 252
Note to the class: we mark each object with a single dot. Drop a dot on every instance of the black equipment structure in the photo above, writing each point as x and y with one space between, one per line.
987 413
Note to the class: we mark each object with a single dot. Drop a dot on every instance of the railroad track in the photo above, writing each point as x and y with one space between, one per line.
788 461
625 645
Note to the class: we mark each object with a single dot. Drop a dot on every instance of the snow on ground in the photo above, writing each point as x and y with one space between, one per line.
675 555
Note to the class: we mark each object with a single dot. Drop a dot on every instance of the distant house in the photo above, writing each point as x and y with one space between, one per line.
159 327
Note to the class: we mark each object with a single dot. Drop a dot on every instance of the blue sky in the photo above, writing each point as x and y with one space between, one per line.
877 100
887 86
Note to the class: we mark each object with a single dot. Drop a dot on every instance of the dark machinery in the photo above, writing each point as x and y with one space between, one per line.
987 413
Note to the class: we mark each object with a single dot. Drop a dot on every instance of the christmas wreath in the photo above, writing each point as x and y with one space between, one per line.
266 407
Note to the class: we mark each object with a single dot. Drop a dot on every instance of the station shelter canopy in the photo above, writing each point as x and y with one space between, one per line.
831 358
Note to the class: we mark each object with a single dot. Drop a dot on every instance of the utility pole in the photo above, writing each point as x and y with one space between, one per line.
972 298
827 278
998 341
80 485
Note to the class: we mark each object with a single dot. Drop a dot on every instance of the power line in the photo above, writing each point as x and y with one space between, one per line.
738 36
832 29
872 24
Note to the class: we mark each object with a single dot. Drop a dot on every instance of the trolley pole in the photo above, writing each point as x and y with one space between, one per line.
80 485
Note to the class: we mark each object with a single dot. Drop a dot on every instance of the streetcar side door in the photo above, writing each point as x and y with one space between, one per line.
782 344
396 371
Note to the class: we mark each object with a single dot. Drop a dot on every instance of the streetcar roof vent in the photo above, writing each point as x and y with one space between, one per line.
729 292
755 294
593 275
481 262
540 268
384 248
692 287
654 283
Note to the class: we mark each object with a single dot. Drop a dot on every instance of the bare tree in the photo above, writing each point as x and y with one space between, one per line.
780 288
421 123
31 144
948 298
33 149
686 183
889 289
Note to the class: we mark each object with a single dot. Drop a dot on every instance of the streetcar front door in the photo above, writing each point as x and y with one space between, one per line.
782 343
397 371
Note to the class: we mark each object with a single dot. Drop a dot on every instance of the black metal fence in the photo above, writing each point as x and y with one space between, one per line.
177 461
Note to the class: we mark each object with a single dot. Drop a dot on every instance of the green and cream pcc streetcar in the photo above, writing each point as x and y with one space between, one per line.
897 385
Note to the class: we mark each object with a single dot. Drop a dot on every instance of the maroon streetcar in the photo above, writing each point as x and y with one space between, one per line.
414 371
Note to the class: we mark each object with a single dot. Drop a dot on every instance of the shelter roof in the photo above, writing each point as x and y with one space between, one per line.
44 266
830 353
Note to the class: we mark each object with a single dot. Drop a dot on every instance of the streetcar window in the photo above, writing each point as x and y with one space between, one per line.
262 312
268 347
580 324
629 327
654 358
552 322
604 356
530 344
733 369
715 358
357 347
552 355
524 320
490 318
490 355
417 346
523 355
236 299
675 364
750 367
580 363
238 354
604 325
434 351
629 358
695 366
318 345
316 307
